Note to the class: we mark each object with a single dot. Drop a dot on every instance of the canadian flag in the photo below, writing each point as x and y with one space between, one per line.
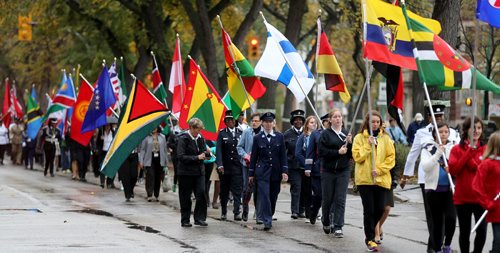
177 85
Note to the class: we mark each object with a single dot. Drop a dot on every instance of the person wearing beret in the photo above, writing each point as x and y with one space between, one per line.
268 167
229 167
51 137
295 172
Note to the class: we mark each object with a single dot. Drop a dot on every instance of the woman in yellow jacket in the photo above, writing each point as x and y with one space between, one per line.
373 183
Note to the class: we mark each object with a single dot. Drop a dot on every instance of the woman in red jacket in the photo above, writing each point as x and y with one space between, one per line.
464 160
486 185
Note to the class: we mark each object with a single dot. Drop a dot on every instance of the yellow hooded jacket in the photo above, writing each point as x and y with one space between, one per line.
384 161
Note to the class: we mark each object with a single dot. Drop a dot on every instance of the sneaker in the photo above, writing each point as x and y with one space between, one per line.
372 246
327 229
447 249
338 233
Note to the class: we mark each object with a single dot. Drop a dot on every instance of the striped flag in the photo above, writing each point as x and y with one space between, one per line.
326 63
64 99
281 62
158 88
440 65
177 85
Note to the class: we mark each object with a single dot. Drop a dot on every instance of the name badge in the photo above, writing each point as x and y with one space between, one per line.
156 154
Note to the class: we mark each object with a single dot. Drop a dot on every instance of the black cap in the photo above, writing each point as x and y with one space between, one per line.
228 115
268 116
297 114
324 117
437 109
53 120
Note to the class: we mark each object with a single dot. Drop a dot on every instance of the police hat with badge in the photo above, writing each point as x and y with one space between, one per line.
438 107
297 114
268 116
325 118
228 115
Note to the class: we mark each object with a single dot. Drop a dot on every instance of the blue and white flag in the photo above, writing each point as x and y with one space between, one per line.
280 62
489 12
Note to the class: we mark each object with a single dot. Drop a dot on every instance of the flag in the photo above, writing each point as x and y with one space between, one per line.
281 62
33 93
103 98
123 89
34 116
65 97
386 35
241 96
143 113
81 107
440 65
177 85
326 63
202 101
158 88
116 83
16 110
394 90
489 12
6 118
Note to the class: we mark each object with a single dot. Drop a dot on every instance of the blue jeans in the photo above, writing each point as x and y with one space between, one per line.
334 192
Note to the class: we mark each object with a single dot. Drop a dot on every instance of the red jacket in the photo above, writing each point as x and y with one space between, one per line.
463 165
487 185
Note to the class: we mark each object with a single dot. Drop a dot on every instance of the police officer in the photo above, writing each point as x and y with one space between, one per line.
268 166
295 172
51 137
229 166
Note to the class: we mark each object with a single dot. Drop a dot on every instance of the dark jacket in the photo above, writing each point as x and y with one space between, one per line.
291 136
312 161
328 151
412 130
187 155
268 160
227 155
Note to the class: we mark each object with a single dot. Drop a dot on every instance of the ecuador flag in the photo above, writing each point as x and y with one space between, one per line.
386 35
143 113
236 65
202 101
440 65
326 64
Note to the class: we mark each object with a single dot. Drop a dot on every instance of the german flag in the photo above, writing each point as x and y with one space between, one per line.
143 113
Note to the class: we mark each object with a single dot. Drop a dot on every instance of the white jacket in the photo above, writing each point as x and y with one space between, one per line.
4 135
430 165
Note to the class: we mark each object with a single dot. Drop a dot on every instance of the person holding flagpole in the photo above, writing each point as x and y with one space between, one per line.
372 182
51 137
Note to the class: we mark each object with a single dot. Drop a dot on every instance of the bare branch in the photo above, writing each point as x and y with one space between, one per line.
275 13
133 7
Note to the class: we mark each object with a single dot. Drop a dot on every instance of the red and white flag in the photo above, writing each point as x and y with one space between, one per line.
177 85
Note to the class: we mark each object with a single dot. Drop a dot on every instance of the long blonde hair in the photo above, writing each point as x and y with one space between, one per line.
493 146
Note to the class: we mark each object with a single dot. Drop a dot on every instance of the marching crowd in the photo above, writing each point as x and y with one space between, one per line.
458 173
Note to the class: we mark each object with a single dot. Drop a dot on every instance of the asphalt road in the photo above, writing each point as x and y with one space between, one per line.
44 214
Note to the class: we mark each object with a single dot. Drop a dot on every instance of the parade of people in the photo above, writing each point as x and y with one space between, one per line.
239 122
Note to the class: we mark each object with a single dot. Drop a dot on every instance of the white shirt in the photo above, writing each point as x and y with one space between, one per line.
107 138
4 135
270 133
422 137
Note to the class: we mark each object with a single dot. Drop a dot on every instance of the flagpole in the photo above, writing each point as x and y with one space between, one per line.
179 70
295 77
360 99
369 69
474 81
235 66
416 55
118 98
483 216
316 63
92 88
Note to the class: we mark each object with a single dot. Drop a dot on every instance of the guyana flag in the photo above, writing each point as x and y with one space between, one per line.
143 113
440 65
202 101
241 97
326 63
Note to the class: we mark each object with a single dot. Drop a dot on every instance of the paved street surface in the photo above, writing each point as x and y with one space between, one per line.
44 214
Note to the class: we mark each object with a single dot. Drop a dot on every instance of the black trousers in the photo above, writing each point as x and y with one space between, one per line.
428 217
373 200
29 157
295 180
443 216
50 153
95 164
128 174
3 148
305 195
464 213
496 237
316 197
109 180
153 177
187 186
82 158
209 167
233 183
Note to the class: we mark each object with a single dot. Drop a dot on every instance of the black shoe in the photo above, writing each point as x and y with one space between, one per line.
127 200
102 186
201 223
83 180
302 215
313 217
186 225
132 196
327 229
223 217
294 216
244 216
237 217
52 175
258 222
275 219
267 227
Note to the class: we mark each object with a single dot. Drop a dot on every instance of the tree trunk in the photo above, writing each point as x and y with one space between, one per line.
296 11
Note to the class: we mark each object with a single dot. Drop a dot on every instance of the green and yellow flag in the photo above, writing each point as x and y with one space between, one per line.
241 96
202 101
440 65
143 113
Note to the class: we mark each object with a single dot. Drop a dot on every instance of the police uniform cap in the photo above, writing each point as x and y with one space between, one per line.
324 117
437 109
297 114
268 116
53 120
228 115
